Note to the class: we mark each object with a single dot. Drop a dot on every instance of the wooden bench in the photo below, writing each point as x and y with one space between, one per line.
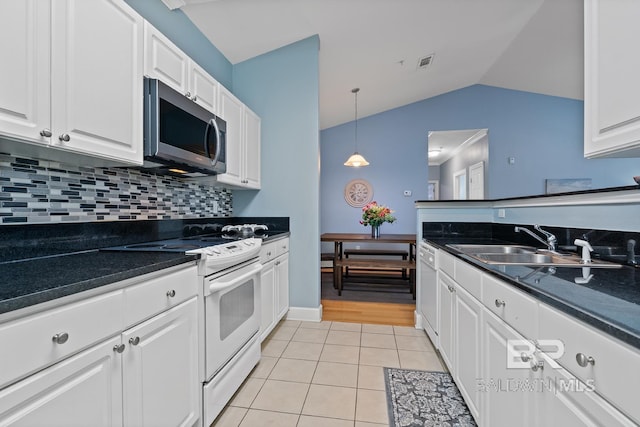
374 264
377 252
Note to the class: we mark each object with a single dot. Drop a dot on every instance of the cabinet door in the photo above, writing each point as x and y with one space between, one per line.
447 298
508 399
25 87
203 88
282 278
252 150
612 110
96 75
84 390
268 298
231 111
164 61
468 348
160 375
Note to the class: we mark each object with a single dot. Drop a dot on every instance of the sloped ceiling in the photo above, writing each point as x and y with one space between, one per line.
529 45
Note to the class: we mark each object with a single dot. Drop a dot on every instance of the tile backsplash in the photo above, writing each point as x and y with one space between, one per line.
39 191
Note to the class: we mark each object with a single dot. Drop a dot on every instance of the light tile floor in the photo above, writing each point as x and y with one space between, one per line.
326 374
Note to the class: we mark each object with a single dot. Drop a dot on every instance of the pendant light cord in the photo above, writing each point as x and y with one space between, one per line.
355 91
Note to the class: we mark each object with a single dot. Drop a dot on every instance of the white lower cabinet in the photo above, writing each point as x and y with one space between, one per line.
85 369
508 400
274 283
160 372
83 390
447 295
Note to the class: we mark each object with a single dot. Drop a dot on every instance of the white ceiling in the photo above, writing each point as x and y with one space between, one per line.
530 45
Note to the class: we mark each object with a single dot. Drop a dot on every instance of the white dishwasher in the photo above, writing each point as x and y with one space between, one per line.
428 291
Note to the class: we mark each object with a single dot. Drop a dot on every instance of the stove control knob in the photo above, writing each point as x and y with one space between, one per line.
249 242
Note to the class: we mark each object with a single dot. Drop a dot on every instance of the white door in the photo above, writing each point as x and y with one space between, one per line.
268 298
97 79
251 154
282 277
460 185
25 87
476 181
507 400
84 390
160 374
447 307
468 348
231 112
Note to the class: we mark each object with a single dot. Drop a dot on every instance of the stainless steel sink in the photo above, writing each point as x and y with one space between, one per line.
526 255
494 249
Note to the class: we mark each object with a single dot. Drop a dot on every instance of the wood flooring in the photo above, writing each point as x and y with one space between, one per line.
380 313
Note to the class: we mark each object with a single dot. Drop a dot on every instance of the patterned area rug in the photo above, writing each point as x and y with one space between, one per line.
424 398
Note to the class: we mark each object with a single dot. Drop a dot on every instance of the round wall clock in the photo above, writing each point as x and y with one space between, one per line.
358 193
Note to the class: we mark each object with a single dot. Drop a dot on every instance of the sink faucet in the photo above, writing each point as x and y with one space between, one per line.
550 238
631 252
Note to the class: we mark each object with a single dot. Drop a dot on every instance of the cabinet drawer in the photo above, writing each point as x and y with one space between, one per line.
282 246
446 263
28 343
614 372
511 305
159 294
268 252
469 278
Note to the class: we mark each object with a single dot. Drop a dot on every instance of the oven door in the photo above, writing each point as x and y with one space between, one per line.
232 313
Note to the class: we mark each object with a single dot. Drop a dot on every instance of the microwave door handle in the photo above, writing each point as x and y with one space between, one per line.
218 142
207 131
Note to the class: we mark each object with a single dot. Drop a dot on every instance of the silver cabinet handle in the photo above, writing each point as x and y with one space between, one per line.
269 253
195 97
60 338
188 95
118 348
537 365
500 303
584 360
525 357
450 288
46 133
64 137
134 341
171 293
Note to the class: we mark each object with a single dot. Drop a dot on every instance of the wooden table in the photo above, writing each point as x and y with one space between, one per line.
339 238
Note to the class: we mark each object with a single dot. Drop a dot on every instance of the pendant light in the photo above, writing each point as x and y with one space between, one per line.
356 160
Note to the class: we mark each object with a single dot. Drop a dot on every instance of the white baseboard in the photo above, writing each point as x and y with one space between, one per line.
308 314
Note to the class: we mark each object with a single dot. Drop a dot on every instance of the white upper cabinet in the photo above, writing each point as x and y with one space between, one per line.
243 143
72 77
612 82
164 61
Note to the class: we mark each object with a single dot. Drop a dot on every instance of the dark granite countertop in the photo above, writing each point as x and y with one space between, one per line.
609 301
32 281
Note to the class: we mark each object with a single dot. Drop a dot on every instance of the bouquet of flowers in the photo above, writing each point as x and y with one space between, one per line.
374 215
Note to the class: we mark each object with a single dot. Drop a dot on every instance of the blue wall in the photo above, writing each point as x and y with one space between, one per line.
543 133
282 88
175 25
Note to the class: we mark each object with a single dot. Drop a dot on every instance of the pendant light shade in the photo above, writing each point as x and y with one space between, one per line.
356 160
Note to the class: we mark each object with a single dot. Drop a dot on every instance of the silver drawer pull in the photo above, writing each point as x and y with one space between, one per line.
451 288
525 357
118 348
46 133
584 360
64 137
171 293
500 303
134 341
60 338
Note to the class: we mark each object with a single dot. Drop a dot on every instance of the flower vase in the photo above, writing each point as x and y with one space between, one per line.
375 231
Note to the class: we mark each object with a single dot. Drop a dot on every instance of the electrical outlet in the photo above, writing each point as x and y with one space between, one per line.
511 160
407 193
501 213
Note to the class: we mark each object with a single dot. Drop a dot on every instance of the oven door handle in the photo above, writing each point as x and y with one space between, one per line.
218 285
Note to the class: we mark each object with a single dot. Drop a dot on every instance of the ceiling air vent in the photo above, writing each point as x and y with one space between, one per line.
425 61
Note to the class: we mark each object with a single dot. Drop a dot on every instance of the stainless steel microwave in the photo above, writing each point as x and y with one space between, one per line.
180 136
